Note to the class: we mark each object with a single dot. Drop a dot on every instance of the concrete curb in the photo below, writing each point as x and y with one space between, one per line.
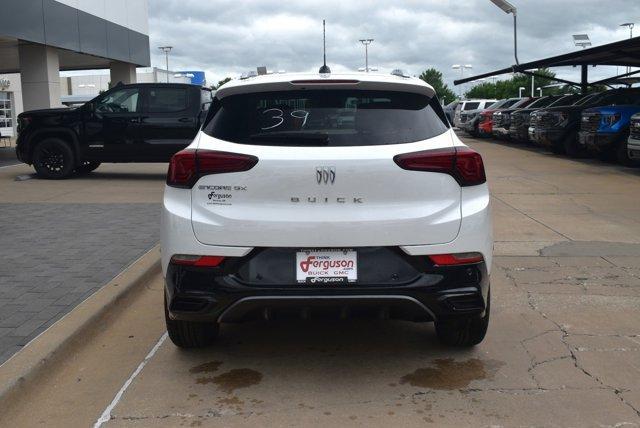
32 361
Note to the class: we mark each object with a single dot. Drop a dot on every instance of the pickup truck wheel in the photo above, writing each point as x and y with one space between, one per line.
557 148
464 332
53 159
571 146
87 167
622 155
188 334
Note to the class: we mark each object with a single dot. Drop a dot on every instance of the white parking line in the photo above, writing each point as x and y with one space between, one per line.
106 415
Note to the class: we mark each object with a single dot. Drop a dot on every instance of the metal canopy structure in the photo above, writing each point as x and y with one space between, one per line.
623 53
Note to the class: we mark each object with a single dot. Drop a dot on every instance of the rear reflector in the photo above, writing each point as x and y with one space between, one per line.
456 259
197 261
462 163
187 166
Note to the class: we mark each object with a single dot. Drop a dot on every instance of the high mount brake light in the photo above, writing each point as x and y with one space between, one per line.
462 163
456 259
187 166
197 261
325 82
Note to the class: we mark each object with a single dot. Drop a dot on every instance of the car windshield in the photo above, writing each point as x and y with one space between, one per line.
522 103
510 102
541 102
565 100
615 98
325 118
497 104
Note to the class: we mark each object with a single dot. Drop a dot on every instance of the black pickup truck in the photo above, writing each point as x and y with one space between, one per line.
145 122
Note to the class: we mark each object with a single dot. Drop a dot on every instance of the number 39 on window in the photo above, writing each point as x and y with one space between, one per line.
277 117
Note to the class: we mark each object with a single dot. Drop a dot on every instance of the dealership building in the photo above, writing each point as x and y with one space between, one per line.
40 38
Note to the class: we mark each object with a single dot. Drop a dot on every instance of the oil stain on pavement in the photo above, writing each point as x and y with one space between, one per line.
233 379
209 367
449 374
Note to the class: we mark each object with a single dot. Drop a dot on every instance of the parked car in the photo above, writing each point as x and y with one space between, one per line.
266 219
520 119
450 110
502 118
129 123
633 144
471 118
557 127
468 105
536 117
485 117
604 130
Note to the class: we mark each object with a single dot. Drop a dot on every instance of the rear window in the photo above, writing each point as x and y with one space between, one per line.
325 118
167 100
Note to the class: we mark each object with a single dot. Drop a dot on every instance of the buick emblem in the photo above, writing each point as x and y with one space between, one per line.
325 174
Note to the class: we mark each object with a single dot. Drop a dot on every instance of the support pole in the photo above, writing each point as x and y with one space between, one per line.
584 78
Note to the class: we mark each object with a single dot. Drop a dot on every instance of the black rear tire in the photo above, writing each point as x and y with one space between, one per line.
53 159
571 146
622 154
87 167
188 334
464 332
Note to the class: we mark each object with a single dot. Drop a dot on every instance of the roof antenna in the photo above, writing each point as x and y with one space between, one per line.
324 68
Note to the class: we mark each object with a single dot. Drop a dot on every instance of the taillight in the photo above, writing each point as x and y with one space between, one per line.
462 163
187 166
196 261
456 259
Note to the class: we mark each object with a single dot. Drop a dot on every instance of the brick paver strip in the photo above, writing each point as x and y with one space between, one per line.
53 256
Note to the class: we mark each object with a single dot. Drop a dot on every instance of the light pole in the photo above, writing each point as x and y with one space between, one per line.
366 43
509 8
630 25
461 67
520 89
166 50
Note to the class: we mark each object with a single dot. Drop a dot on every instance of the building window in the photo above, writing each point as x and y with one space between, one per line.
6 115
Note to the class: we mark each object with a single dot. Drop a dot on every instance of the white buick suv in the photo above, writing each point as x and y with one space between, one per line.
324 195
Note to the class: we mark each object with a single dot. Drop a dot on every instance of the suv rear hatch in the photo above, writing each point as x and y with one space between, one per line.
326 175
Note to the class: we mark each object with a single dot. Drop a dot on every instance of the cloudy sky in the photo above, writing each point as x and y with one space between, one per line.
228 37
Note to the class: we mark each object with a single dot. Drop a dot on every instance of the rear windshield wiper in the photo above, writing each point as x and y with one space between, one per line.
292 138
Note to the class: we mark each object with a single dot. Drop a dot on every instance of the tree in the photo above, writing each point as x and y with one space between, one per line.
220 83
434 78
509 88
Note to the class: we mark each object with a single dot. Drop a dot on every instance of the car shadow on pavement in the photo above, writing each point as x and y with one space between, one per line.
358 338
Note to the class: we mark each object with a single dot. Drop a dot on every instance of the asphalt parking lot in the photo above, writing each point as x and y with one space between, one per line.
563 347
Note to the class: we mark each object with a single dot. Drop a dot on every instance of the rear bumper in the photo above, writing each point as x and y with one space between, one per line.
597 142
441 293
21 153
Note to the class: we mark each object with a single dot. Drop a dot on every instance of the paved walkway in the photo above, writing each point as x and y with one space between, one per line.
54 255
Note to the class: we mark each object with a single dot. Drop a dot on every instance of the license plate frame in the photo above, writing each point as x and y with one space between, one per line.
334 266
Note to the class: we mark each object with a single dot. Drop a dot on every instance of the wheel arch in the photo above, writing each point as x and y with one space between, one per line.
61 133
